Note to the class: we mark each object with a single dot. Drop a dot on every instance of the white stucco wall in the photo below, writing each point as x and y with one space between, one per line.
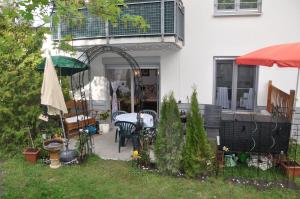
207 36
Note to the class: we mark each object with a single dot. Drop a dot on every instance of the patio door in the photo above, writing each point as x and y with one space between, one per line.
235 86
123 77
150 78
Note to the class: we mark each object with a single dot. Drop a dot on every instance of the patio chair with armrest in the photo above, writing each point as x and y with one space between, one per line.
151 131
153 114
114 120
125 131
115 114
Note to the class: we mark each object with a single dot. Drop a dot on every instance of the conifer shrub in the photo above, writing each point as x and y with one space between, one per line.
169 141
197 152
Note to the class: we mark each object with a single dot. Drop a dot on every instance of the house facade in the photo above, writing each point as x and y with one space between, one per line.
191 43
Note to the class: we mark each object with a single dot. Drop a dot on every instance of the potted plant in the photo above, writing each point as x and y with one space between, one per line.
104 125
291 168
289 165
31 153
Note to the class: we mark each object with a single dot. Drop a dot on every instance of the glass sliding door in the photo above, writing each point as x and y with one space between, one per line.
235 85
122 84
150 78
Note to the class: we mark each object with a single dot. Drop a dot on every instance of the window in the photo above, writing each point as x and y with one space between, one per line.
237 7
235 86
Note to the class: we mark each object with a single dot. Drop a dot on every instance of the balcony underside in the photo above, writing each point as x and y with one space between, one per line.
132 43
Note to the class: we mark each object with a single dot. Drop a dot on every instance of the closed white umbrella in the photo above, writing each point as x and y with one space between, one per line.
52 95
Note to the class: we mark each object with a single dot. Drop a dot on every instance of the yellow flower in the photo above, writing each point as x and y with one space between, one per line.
135 154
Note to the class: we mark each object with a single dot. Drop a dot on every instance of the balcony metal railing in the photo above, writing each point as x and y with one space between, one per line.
165 18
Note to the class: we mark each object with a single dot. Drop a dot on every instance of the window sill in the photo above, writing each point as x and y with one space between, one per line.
241 13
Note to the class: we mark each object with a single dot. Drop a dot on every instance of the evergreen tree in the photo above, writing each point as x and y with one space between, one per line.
197 152
168 145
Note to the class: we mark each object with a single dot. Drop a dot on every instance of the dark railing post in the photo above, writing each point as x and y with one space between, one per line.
107 31
175 20
269 103
162 19
291 105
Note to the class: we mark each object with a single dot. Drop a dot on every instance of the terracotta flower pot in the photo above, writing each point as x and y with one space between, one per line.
31 154
291 168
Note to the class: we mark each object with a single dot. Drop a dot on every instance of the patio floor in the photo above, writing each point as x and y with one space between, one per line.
106 147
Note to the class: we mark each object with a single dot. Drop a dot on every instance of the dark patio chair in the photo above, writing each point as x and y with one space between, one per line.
153 114
113 116
125 131
151 131
212 120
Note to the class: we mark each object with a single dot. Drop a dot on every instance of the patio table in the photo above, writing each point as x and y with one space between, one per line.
132 117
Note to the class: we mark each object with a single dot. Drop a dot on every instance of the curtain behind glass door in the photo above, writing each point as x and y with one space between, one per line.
245 87
123 78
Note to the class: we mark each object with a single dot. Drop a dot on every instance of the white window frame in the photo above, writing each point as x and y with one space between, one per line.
237 10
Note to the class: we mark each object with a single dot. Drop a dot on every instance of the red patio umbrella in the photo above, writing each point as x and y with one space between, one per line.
284 55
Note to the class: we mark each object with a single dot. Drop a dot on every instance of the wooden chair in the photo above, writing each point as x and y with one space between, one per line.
77 111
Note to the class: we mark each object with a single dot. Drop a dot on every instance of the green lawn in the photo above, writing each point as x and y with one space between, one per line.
115 179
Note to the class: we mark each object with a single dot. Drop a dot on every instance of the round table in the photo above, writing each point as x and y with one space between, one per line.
132 117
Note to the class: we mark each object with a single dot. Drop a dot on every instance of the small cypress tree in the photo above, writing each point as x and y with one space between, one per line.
169 141
197 152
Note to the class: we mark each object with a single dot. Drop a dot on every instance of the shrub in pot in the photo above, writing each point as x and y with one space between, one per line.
31 154
104 126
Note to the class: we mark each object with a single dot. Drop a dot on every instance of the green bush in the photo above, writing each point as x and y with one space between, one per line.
197 152
168 145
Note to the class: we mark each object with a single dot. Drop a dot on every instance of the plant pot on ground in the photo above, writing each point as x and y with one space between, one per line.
31 154
291 168
104 126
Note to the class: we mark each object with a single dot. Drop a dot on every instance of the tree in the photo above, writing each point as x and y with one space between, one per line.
168 145
197 152
20 82
20 45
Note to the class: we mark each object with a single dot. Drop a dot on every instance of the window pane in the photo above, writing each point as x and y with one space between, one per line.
226 4
245 87
248 4
224 71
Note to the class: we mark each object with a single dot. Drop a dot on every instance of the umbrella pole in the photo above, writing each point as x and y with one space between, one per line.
297 87
64 132
296 95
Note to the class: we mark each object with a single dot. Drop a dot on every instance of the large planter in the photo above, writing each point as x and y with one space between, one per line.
104 128
291 168
31 154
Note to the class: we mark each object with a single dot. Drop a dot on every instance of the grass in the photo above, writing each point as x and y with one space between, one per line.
99 178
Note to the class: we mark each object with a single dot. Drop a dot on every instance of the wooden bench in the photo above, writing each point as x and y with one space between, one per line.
77 111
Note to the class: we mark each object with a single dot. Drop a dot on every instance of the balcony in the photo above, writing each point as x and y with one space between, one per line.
165 18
